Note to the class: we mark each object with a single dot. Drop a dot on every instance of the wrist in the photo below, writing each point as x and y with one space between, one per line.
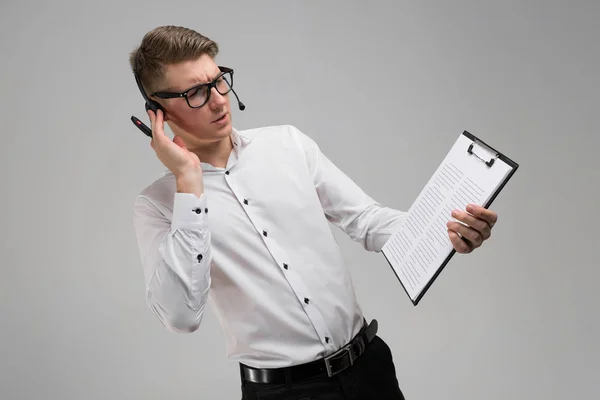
190 182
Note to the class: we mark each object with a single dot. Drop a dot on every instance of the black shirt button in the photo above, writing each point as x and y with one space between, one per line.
306 300
199 258
326 340
265 233
226 172
245 201
285 266
198 210
206 210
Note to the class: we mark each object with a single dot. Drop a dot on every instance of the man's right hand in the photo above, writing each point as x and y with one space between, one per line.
184 164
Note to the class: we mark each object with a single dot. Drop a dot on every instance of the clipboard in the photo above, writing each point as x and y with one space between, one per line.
485 154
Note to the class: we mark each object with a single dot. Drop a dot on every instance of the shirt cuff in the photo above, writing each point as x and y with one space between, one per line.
189 211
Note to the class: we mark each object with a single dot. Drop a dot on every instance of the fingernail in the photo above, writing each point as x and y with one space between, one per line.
469 208
454 213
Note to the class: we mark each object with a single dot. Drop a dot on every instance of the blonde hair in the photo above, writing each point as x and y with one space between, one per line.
166 45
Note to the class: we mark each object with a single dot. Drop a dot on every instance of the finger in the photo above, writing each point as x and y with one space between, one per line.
478 224
467 232
460 245
158 133
152 116
483 213
159 123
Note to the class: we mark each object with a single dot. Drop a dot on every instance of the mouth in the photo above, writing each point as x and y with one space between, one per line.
220 119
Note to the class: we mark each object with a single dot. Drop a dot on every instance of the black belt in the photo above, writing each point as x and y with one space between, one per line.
328 366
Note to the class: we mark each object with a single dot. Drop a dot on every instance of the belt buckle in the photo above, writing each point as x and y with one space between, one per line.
344 351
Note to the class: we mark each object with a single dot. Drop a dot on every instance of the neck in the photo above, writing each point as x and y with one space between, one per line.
216 153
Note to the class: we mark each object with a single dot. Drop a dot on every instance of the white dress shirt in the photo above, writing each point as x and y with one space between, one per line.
259 244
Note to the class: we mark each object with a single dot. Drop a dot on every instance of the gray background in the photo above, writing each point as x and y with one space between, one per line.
385 88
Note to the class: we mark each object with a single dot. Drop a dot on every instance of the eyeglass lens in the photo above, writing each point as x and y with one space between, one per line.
200 95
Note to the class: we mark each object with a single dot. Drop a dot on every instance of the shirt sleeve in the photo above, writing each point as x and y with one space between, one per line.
176 257
345 204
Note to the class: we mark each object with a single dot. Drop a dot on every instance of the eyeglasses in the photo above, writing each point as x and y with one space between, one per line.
198 95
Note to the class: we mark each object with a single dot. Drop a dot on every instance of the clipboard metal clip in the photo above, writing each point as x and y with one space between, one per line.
489 163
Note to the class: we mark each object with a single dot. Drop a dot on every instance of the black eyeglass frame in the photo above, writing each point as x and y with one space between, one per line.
210 85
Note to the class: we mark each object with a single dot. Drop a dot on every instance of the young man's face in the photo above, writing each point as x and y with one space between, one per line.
196 126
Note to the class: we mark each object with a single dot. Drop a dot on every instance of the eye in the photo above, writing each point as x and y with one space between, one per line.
193 92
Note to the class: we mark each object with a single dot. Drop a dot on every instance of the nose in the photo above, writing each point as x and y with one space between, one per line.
217 99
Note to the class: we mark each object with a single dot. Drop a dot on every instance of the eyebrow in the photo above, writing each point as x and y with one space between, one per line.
191 85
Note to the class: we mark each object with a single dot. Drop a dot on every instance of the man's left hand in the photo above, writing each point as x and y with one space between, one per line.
479 223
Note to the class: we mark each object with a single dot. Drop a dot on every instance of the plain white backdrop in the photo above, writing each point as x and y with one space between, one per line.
385 88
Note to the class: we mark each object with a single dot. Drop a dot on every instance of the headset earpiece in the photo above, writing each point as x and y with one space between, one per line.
154 106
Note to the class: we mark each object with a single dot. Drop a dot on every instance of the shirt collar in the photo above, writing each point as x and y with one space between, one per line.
239 140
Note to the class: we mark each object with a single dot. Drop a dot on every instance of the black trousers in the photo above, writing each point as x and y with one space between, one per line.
372 377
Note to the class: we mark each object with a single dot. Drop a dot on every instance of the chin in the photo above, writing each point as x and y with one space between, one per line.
223 131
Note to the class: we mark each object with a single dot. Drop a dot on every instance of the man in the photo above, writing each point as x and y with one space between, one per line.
242 216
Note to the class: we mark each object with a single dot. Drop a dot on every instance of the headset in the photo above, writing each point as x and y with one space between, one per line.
155 106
